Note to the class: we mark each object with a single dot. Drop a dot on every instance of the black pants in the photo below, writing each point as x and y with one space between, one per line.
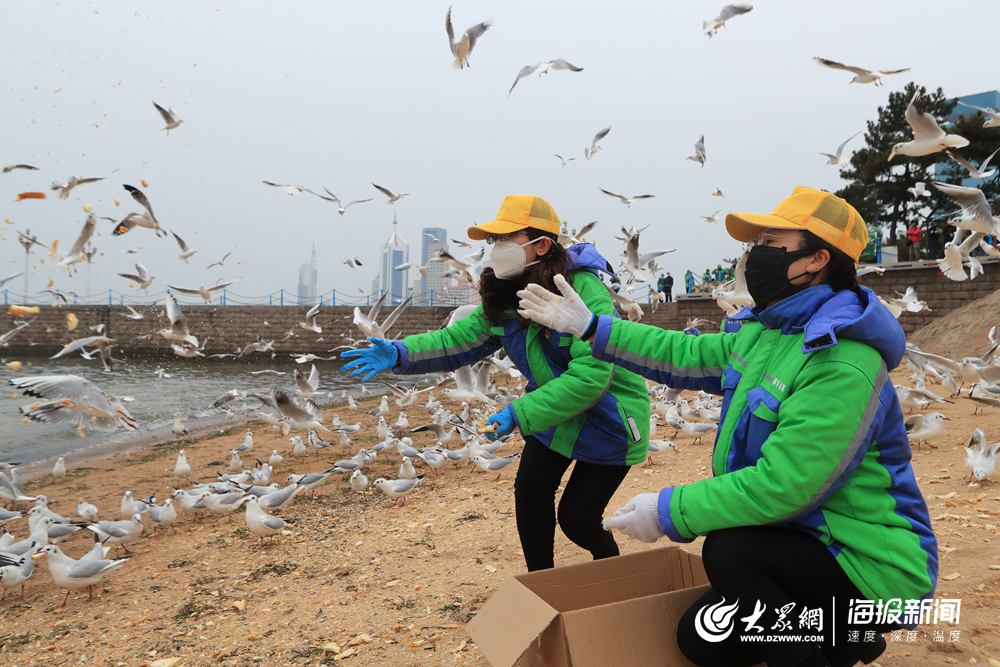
776 566
587 493
669 296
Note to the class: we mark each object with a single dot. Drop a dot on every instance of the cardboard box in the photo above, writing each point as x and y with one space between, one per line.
616 611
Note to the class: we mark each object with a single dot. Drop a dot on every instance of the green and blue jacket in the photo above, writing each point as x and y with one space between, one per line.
578 406
811 434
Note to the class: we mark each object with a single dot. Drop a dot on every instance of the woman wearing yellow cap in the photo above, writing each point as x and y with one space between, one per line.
812 515
575 407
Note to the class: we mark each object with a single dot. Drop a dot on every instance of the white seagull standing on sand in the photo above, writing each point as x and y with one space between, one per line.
729 11
861 75
590 152
835 159
464 46
543 68
928 137
169 117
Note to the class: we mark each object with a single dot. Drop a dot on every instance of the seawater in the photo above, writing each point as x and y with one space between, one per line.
191 389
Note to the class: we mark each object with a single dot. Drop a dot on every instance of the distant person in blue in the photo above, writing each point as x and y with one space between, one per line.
689 281
719 275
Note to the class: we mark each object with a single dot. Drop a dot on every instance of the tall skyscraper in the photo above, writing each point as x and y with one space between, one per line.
307 281
395 251
433 239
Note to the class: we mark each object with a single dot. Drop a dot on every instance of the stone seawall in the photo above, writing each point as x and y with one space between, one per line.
230 327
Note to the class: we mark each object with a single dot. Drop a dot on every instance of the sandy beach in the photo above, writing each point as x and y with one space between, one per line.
355 579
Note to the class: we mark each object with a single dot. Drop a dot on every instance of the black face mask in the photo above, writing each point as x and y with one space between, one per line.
766 274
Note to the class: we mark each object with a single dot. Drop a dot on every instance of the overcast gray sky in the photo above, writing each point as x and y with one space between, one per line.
343 94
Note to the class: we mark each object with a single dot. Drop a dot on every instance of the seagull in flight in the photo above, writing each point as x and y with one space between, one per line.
464 46
11 167
729 11
927 136
353 262
835 159
147 219
432 237
919 190
992 118
393 198
564 161
310 323
977 216
718 193
185 250
293 189
712 218
700 155
543 68
975 172
76 253
169 117
204 292
590 152
141 276
861 75
71 183
220 262
341 208
626 200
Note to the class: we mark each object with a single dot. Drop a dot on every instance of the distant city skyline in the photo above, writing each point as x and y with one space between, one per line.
308 281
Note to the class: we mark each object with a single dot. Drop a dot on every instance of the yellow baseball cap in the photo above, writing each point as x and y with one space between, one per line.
827 216
516 213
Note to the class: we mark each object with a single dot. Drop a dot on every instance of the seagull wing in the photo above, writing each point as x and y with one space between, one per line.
923 124
167 116
180 242
216 288
475 32
735 9
289 408
314 378
85 234
387 193
600 135
835 65
72 387
977 441
972 200
561 64
394 315
586 228
450 30
840 148
612 194
525 71
176 317
184 290
358 201
140 197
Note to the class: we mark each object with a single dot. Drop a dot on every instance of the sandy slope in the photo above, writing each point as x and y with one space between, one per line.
396 584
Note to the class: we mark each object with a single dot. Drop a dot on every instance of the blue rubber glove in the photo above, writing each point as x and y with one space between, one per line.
505 420
372 360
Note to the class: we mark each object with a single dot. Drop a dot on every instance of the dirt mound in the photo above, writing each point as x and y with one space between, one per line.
962 332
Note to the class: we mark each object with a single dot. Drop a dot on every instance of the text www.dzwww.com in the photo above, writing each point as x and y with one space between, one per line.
781 638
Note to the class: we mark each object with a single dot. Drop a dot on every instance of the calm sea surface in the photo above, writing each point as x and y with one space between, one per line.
191 388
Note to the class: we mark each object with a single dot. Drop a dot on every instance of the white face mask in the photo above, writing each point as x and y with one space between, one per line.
509 259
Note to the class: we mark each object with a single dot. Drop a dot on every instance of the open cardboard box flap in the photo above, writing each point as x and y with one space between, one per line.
595 613
510 621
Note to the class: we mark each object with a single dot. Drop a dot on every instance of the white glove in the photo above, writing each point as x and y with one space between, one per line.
567 313
639 519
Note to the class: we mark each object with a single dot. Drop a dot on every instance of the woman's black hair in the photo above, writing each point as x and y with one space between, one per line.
500 296
842 271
